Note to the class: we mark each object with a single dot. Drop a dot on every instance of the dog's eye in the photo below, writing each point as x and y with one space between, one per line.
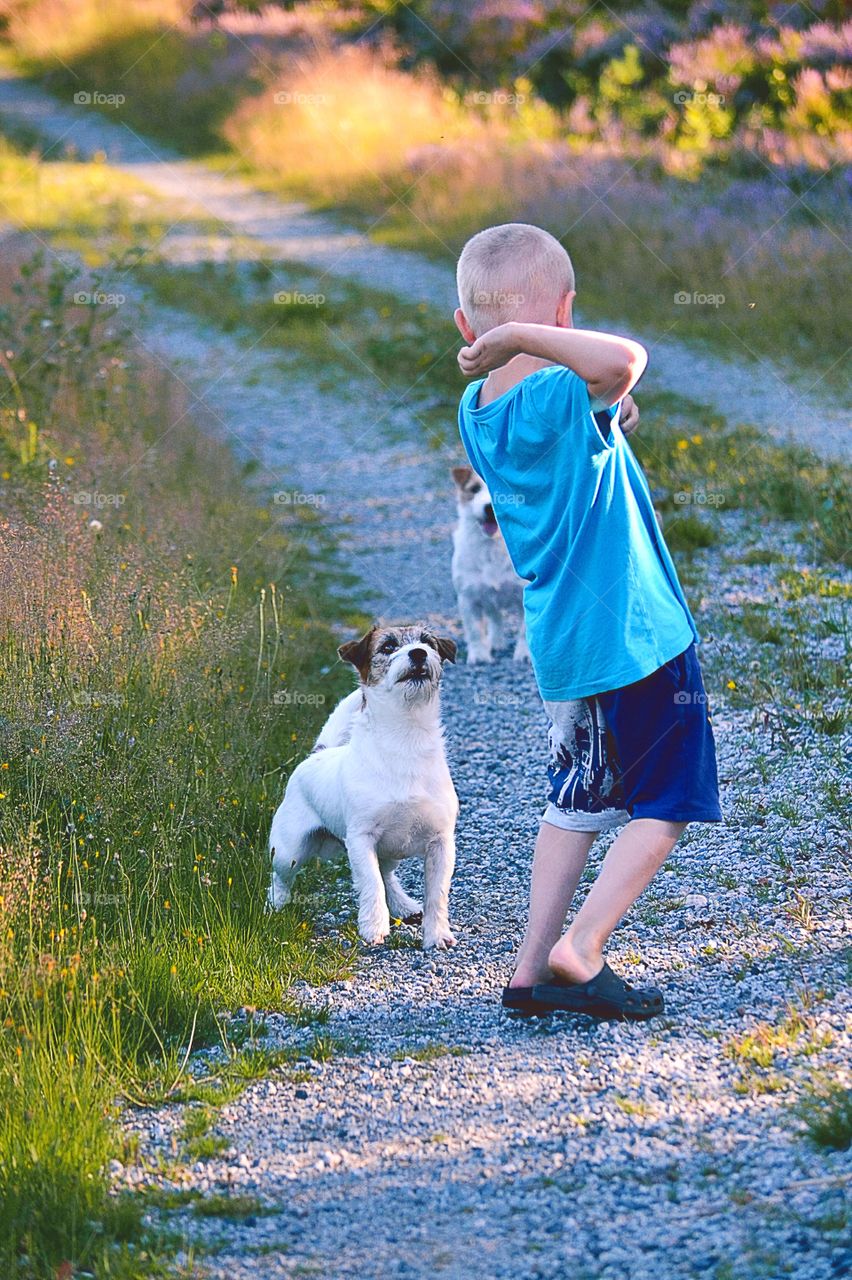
388 647
425 638
474 488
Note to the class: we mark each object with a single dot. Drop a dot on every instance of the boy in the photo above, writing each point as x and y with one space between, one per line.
611 637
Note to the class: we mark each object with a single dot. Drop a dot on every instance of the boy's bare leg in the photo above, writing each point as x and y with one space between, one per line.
633 860
559 859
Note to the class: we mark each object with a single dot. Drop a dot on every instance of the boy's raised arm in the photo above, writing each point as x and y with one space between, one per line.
609 365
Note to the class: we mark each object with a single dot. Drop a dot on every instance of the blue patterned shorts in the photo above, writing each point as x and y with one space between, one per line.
585 788
644 751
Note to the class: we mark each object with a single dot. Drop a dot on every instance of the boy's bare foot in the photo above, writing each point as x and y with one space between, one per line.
572 962
530 977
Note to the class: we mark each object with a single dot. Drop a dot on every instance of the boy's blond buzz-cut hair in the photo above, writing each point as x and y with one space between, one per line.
514 271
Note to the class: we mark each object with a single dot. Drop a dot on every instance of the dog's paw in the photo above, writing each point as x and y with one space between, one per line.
374 929
521 652
440 941
477 657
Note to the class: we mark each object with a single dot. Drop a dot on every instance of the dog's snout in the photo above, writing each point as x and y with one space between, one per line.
418 656
488 512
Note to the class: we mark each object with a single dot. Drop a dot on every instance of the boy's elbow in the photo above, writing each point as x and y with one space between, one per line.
632 366
625 371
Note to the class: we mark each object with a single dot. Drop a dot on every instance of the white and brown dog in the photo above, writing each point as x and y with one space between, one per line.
490 594
377 784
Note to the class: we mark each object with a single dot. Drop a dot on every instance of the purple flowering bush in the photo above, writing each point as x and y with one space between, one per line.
716 80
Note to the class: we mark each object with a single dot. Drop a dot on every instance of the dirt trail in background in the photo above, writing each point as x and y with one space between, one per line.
759 392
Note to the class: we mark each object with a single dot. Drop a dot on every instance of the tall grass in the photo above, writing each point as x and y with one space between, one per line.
149 614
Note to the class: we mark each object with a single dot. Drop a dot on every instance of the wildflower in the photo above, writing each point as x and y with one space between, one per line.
732 684
683 445
233 575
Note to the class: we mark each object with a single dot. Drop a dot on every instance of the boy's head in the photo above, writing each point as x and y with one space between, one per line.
513 272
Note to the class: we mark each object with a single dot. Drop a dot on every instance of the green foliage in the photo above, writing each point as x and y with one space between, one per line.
142 755
827 1115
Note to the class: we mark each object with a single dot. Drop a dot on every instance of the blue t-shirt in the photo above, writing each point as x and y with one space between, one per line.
603 603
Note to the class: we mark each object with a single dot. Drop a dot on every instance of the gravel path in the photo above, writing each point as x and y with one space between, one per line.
522 1150
762 392
442 1138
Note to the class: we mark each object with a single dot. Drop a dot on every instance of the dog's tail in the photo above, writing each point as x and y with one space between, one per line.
337 729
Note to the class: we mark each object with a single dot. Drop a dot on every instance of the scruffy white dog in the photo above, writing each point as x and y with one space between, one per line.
490 594
378 784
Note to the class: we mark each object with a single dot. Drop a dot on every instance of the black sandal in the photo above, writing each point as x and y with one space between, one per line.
604 996
520 1002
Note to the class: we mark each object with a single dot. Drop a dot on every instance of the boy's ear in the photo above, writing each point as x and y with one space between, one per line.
463 326
564 312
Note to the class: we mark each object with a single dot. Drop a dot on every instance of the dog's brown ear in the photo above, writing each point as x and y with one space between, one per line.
446 648
359 653
461 475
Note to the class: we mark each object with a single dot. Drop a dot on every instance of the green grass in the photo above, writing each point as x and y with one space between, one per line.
827 1116
81 205
809 687
143 753
236 1207
766 1046
431 1052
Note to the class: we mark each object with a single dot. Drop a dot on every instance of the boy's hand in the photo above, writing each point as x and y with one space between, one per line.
629 420
495 348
